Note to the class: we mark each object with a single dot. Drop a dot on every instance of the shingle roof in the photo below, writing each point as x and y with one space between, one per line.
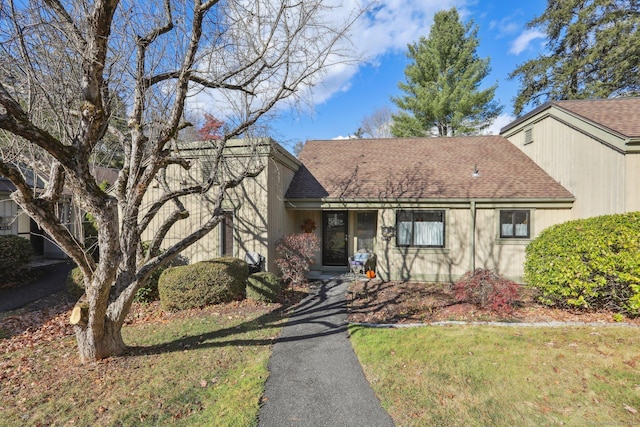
420 168
621 115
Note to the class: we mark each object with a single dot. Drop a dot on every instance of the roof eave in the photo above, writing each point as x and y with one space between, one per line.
364 203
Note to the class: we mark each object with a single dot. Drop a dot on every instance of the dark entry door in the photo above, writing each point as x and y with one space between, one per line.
334 238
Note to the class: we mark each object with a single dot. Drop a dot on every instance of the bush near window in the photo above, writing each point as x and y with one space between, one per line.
203 283
295 254
264 286
15 253
487 289
591 263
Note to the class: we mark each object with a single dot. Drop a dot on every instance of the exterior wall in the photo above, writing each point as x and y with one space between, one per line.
280 221
427 264
8 215
259 217
632 169
505 256
593 170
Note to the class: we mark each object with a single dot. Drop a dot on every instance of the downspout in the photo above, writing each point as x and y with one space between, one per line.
472 262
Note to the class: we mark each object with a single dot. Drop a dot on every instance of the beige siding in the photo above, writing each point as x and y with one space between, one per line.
632 169
8 214
590 169
505 256
280 221
259 217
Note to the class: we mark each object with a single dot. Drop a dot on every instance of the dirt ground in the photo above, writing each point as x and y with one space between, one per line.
373 301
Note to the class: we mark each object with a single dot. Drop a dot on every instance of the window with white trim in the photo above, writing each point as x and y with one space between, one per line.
515 224
420 229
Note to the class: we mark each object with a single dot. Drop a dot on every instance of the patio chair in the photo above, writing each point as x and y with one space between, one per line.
362 261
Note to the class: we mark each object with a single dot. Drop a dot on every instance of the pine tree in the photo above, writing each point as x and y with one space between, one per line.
593 51
442 83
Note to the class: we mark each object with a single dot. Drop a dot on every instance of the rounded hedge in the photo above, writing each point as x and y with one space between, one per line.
15 253
203 283
75 283
264 286
591 263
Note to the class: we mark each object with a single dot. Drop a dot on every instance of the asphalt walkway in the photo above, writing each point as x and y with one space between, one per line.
52 278
315 378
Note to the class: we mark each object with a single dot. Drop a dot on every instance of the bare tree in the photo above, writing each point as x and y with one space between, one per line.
377 124
63 66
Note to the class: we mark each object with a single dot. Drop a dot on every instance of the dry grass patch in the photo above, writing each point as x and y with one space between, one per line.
504 376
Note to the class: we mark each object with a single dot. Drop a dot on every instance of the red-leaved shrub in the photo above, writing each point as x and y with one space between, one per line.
487 289
295 254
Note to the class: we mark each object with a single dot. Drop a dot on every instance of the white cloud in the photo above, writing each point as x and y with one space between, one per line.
521 43
388 27
501 121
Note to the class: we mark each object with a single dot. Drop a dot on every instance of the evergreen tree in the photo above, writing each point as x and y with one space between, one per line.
593 51
441 91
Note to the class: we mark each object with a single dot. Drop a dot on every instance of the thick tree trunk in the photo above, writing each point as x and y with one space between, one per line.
96 345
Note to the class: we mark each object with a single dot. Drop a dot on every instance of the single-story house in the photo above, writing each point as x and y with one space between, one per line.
430 209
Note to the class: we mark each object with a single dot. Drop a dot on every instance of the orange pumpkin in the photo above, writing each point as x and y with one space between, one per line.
371 274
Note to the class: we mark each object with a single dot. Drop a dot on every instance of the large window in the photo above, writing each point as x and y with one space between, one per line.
420 228
515 224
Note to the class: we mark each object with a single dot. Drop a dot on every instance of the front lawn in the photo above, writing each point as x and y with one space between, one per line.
503 376
197 367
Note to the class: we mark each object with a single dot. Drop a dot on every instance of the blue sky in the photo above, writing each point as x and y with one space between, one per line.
349 95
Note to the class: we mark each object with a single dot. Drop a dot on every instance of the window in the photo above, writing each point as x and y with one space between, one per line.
514 224
366 229
420 228
5 222
226 235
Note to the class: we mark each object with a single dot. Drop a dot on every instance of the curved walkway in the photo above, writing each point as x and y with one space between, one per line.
315 378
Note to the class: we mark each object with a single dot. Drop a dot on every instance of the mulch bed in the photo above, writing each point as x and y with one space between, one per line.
373 301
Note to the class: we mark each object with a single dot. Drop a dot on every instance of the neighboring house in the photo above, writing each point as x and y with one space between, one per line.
591 147
432 209
14 221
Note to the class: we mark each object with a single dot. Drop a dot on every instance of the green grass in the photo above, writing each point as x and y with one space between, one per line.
204 370
501 376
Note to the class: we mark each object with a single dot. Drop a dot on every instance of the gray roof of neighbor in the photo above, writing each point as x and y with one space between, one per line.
420 168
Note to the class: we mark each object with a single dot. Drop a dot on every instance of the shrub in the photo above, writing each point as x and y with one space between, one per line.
15 253
75 283
487 289
204 283
591 263
264 286
295 254
149 292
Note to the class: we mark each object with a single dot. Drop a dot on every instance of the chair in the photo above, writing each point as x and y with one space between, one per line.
255 261
362 261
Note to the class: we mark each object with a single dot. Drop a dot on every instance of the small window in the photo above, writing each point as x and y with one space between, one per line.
528 136
420 228
5 222
515 224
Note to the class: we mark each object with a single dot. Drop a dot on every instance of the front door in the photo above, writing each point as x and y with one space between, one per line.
334 238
